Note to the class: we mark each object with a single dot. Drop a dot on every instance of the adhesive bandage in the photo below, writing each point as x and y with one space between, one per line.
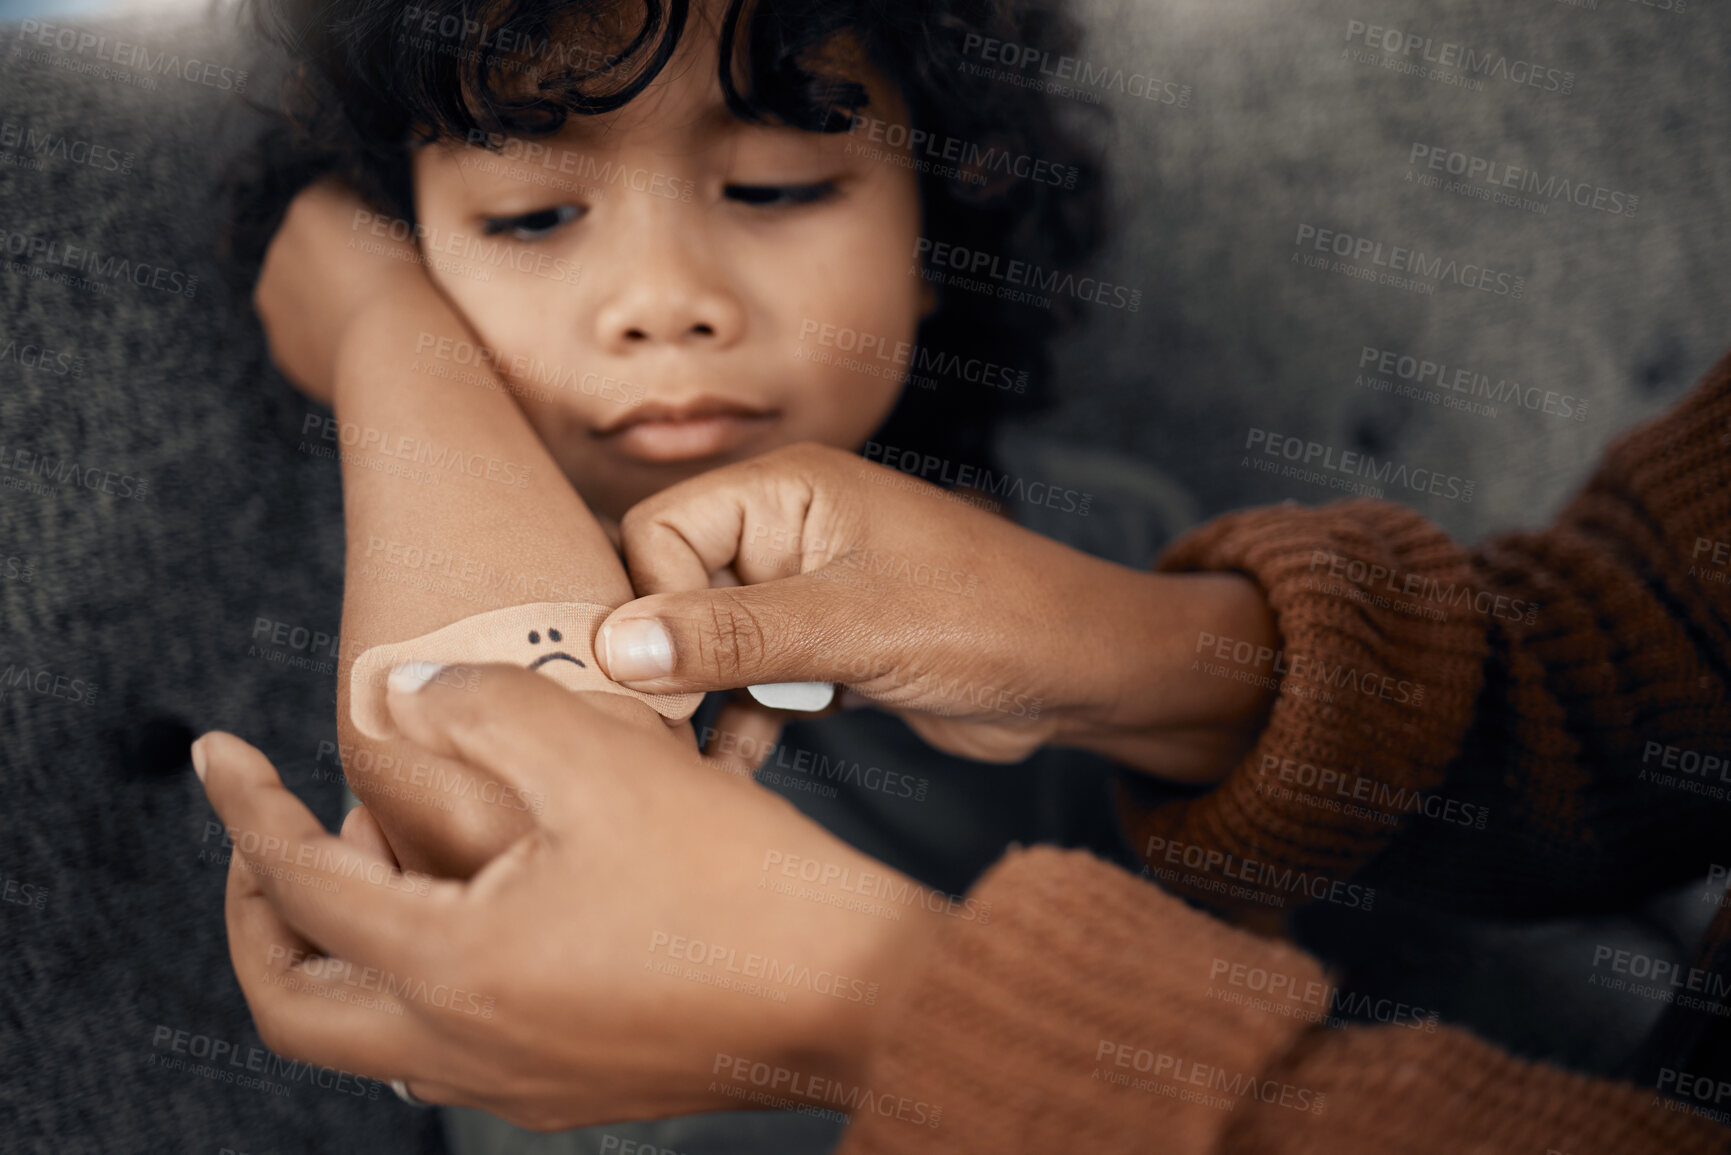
553 638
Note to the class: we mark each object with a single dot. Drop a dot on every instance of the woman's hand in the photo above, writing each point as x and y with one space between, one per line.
989 640
323 268
662 920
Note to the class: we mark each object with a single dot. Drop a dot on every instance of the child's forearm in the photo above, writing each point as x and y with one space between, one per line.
453 508
477 477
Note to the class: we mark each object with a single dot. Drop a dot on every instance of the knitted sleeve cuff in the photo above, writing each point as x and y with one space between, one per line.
1662 489
1095 1013
1092 1013
1427 1092
1380 663
1676 464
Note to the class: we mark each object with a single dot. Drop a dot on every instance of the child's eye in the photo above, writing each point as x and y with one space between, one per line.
534 226
780 194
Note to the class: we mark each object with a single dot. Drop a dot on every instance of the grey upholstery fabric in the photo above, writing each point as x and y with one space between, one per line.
201 517
1283 131
170 600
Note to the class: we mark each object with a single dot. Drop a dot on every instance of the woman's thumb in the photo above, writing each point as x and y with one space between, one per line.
806 628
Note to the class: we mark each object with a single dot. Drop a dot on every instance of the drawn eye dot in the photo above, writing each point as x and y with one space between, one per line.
554 635
534 638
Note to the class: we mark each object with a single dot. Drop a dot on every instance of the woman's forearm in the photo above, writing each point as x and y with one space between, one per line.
453 508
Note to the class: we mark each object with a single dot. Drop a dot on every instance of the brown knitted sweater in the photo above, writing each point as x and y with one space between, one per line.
1541 723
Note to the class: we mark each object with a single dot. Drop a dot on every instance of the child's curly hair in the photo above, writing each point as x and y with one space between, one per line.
366 82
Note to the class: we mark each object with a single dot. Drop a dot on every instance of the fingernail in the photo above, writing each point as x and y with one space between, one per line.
198 759
638 649
411 676
808 697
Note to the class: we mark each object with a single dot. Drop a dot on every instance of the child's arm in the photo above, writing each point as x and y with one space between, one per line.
502 527
453 508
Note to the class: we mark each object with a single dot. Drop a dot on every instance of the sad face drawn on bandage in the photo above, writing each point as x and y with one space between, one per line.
552 638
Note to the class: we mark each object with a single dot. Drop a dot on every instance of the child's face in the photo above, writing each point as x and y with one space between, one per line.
672 253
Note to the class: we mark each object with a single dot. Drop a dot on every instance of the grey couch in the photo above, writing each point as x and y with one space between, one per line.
159 520
152 481
1284 130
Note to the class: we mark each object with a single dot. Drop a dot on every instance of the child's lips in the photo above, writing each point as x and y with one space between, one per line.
659 434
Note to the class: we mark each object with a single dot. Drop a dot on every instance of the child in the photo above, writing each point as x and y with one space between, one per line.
651 252
375 394
656 254
546 162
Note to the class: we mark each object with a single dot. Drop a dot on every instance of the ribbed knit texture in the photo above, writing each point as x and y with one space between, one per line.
1393 1089
1541 710
1017 1027
1370 694
1610 634
1006 1030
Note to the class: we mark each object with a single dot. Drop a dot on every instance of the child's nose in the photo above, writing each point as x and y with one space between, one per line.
668 299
